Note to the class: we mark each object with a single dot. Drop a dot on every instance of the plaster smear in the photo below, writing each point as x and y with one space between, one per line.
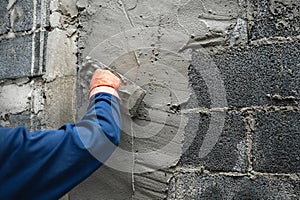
14 99
152 141
148 42
208 23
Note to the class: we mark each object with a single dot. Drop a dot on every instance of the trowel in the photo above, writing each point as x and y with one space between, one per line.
131 95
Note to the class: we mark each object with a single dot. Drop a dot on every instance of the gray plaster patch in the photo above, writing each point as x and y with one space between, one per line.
157 131
148 42
158 128
208 22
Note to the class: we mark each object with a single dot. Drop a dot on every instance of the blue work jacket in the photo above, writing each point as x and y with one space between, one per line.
47 164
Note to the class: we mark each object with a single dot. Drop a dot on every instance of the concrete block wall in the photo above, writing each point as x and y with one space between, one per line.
37 65
255 46
257 155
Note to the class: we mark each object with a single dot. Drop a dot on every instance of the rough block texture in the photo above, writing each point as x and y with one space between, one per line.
276 147
275 18
260 75
16 57
20 120
24 19
16 54
229 153
4 19
207 187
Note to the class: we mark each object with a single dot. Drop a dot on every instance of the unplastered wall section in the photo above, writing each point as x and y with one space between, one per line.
37 63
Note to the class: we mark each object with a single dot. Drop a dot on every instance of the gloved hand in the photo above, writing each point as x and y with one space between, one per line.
104 81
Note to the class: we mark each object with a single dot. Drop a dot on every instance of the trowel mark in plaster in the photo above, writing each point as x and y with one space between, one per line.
217 91
213 27
129 41
139 43
125 10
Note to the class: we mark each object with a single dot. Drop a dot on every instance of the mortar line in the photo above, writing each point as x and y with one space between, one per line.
250 127
32 54
42 43
42 35
33 37
275 40
20 33
239 109
32 105
133 159
252 174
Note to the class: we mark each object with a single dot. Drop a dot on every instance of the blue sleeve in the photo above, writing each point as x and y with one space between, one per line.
47 164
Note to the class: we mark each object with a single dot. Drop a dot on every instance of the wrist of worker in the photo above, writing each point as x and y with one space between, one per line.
104 89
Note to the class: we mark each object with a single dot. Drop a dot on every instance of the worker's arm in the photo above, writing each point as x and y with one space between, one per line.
47 164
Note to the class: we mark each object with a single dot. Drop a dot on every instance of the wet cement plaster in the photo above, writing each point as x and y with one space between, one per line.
150 43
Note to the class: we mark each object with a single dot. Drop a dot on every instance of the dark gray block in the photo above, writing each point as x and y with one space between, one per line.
276 147
200 96
25 120
4 18
16 57
20 120
253 74
197 186
230 151
24 21
275 18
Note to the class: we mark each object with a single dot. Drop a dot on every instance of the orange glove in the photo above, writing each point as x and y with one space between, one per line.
104 81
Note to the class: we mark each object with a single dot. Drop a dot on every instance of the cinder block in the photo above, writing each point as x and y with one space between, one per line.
253 76
16 57
276 147
197 186
275 18
230 150
20 120
4 19
32 123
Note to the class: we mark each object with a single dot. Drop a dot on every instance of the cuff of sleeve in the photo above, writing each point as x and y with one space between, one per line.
104 89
